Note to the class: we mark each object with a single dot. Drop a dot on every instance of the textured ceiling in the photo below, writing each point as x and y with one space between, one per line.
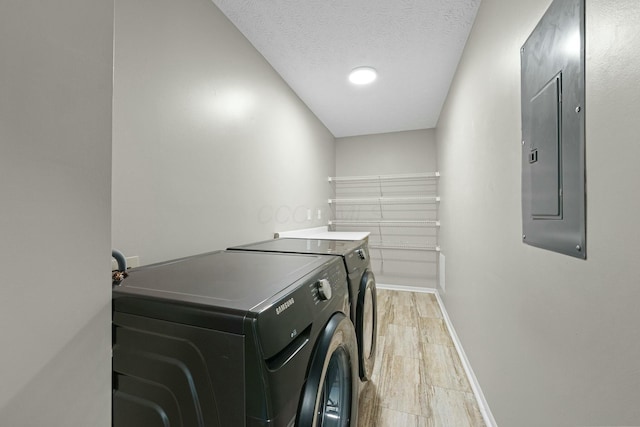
313 44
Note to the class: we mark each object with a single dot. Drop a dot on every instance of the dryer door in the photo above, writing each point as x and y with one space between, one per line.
330 394
366 324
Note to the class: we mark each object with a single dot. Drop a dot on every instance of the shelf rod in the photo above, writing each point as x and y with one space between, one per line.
424 199
386 222
405 247
425 175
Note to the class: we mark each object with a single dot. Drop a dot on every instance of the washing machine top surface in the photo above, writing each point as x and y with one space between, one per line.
225 279
304 246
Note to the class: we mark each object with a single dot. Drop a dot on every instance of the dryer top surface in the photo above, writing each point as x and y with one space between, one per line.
305 246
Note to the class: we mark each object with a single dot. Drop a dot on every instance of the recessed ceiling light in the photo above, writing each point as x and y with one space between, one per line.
362 75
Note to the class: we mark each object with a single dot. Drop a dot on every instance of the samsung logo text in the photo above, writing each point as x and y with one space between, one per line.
282 307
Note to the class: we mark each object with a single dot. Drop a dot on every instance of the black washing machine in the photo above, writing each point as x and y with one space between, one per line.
362 285
235 339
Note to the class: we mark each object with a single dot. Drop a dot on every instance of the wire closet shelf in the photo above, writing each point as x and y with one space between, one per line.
405 191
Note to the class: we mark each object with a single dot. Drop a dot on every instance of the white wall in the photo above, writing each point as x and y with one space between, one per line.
388 154
210 147
553 340
55 228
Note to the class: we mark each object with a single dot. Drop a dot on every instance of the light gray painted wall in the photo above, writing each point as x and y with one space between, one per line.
210 147
55 190
552 339
388 154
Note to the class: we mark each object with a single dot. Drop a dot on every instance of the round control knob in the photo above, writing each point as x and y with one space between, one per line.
361 253
324 289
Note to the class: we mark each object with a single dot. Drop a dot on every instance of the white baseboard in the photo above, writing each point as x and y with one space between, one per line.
406 288
487 416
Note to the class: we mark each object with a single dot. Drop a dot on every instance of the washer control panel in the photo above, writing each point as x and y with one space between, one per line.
327 285
324 289
290 315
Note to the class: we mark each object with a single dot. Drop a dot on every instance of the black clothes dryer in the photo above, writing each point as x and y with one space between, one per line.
235 339
362 285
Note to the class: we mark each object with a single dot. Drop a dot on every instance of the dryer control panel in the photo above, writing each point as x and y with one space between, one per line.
357 259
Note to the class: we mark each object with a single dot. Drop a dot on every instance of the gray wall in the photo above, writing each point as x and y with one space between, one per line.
55 182
388 154
210 147
552 339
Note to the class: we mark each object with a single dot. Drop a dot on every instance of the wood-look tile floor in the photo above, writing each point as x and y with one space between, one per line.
418 379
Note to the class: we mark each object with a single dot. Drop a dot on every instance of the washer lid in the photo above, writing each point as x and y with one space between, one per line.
224 280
